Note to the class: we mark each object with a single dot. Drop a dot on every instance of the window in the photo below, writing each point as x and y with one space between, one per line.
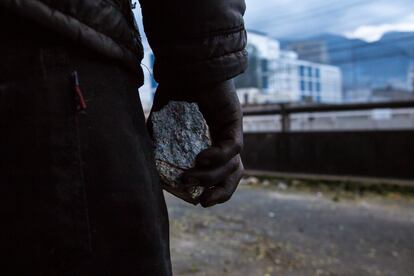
310 86
318 98
317 73
318 87
302 71
265 82
310 71
265 65
302 86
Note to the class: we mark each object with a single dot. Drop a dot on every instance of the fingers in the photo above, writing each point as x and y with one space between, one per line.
208 177
219 154
219 167
224 191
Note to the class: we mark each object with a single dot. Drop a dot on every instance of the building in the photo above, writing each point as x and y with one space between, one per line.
273 76
391 94
411 78
312 50
276 75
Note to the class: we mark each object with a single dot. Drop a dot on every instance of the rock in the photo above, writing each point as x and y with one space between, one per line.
243 181
180 133
252 180
266 183
282 186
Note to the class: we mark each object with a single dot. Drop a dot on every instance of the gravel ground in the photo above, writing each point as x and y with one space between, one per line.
266 231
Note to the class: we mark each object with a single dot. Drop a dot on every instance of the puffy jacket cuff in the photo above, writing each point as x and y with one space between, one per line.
212 59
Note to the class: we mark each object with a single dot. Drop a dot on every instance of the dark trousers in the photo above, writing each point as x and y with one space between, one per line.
79 193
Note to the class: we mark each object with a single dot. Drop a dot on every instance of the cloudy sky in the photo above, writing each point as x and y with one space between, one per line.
366 19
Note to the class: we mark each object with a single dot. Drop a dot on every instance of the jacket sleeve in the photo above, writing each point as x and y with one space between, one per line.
196 41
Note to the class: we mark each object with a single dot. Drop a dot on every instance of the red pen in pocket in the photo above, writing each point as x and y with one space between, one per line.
82 103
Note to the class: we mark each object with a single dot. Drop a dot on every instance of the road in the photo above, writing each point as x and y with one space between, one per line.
265 232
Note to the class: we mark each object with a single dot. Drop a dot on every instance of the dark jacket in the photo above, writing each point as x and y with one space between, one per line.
199 41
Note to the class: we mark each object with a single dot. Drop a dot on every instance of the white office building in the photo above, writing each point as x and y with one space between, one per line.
276 76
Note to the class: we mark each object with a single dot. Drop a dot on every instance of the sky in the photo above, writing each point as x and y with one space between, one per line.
364 19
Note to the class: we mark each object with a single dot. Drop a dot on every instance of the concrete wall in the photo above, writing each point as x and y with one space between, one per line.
363 153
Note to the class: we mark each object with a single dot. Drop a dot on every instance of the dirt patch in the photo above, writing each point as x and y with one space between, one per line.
270 232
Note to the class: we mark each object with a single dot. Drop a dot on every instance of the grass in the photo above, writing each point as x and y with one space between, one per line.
336 189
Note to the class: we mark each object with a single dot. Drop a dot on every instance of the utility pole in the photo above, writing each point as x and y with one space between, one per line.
284 118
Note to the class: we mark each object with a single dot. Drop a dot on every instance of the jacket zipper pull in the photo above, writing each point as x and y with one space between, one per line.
82 103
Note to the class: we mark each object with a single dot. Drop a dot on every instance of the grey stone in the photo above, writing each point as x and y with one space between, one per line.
180 134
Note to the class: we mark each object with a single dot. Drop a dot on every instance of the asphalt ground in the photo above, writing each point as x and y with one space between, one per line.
269 229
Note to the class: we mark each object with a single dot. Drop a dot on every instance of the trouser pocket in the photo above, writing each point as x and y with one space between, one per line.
43 204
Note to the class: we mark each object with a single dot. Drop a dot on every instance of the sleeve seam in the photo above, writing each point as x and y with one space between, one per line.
207 35
213 59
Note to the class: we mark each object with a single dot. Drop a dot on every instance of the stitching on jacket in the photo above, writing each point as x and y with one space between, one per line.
131 22
212 41
225 35
122 52
207 35
220 32
236 53
238 49
129 44
230 71
132 37
228 31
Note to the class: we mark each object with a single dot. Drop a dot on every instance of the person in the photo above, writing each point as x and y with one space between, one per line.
80 191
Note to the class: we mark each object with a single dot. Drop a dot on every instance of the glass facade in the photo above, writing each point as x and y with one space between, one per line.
310 72
302 70
265 82
265 65
310 83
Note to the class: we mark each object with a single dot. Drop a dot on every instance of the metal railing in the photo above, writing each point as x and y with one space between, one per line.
285 110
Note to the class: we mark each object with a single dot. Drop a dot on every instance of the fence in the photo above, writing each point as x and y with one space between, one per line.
379 154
